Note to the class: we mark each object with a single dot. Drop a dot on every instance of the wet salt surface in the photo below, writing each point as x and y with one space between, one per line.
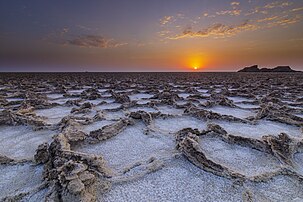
19 178
21 142
239 113
179 180
246 161
54 114
131 146
262 128
174 124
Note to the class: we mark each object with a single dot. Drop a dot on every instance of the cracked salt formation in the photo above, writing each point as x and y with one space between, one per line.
127 145
16 179
243 160
55 114
262 128
239 113
178 180
131 146
21 142
174 124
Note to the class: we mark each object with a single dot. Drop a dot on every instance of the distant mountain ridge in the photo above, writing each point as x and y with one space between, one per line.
255 68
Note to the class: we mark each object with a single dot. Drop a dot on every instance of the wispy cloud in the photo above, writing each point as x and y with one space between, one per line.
166 19
94 41
268 15
217 30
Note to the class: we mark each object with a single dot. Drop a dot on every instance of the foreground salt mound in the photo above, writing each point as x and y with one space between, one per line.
131 146
260 129
174 124
178 180
244 160
21 142
21 178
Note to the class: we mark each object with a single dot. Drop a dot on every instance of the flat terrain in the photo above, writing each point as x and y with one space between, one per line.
151 137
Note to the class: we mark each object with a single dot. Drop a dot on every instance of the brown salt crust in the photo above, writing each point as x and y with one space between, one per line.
188 144
71 176
272 112
282 147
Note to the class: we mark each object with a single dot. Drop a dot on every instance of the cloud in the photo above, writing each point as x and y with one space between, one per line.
165 20
229 12
94 41
235 3
217 30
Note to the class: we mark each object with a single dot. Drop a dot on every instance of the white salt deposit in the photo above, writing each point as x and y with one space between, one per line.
247 106
14 99
55 114
108 106
174 124
20 178
260 129
21 142
184 95
96 125
76 91
140 96
179 180
131 146
239 99
170 110
239 113
244 160
114 115
141 102
298 158
146 109
280 188
54 96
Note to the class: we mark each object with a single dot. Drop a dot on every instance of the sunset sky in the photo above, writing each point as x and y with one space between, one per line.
155 35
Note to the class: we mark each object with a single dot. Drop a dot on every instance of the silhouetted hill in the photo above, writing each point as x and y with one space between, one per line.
255 68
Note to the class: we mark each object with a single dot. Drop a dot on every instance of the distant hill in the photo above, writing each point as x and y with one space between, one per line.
255 68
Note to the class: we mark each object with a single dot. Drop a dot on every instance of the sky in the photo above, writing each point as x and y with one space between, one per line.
154 35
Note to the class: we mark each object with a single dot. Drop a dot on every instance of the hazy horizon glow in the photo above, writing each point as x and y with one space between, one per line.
136 35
